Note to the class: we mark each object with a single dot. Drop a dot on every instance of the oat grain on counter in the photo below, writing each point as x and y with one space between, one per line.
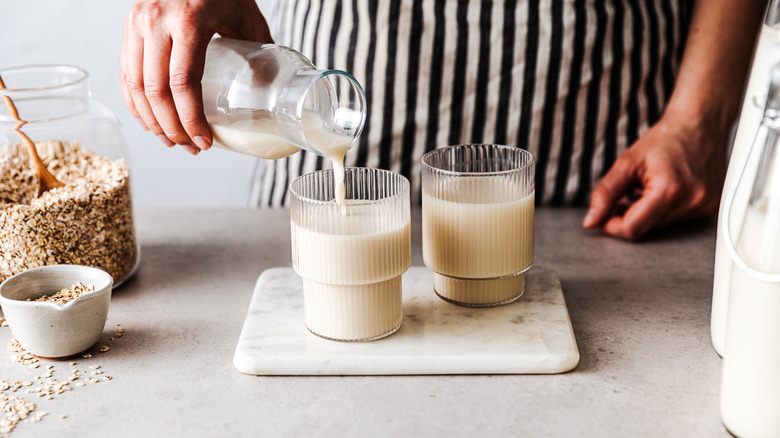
87 222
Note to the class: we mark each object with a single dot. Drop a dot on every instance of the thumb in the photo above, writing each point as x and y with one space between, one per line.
609 191
242 20
255 28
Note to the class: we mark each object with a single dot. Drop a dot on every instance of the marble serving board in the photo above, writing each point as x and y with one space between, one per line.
533 335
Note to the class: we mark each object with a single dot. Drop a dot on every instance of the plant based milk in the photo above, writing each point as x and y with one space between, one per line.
478 228
353 312
352 264
258 136
750 395
766 56
351 248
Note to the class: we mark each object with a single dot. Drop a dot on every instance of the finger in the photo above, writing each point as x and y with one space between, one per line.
617 183
134 79
647 212
157 61
188 56
123 77
251 26
259 31
191 149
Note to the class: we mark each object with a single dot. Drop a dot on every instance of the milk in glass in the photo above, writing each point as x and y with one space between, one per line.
351 255
257 136
478 228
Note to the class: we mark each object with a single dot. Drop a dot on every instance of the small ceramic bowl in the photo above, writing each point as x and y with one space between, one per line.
56 331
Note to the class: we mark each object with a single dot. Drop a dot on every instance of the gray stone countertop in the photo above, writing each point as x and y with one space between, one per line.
640 313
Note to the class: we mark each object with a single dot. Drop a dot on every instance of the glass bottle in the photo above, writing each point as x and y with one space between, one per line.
90 220
750 392
767 54
270 101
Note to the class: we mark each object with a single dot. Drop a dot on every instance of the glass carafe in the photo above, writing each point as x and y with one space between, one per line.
750 393
767 54
270 101
89 221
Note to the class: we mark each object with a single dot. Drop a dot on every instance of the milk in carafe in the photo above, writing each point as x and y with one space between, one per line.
270 101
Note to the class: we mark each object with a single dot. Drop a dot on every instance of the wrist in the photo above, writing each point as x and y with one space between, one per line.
713 113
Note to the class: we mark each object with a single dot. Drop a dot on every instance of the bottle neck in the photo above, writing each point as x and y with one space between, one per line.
333 95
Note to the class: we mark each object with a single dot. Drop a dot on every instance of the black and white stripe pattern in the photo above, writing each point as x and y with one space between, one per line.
573 81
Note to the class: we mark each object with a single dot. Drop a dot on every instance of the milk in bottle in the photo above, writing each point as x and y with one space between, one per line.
766 56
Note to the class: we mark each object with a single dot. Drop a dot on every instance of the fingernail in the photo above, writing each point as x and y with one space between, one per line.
201 142
590 216
191 149
143 125
167 141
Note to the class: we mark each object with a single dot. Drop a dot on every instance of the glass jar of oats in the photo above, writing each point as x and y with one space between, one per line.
89 220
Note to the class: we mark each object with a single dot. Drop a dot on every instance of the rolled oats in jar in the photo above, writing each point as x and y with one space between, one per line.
89 221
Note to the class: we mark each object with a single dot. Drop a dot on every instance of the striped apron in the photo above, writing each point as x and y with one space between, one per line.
575 82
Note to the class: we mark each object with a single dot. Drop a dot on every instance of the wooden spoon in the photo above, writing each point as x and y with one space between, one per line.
46 181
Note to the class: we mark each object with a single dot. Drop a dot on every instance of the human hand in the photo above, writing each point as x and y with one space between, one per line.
674 172
162 60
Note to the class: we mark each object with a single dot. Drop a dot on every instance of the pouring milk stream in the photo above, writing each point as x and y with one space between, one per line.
269 101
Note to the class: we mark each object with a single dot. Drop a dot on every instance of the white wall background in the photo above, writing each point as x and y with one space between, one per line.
88 33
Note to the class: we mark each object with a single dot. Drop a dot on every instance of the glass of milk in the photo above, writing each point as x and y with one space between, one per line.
351 255
478 222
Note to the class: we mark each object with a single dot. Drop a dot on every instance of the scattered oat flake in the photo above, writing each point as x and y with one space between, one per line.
73 364
104 348
93 380
94 367
86 355
38 416
107 377
16 409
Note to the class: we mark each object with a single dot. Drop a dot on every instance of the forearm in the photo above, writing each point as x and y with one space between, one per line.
717 55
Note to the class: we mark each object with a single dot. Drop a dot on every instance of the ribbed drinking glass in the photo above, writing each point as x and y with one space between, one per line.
478 222
351 256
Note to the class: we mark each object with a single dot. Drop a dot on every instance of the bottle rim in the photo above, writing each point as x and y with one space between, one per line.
319 75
